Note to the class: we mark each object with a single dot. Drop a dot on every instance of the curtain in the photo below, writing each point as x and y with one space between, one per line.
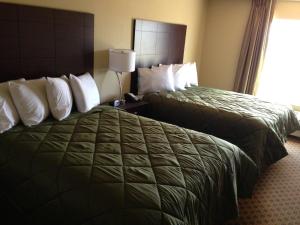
254 45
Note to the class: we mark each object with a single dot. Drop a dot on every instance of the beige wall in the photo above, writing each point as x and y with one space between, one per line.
287 10
225 25
113 28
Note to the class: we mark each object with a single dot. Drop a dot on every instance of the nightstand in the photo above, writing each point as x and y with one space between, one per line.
137 108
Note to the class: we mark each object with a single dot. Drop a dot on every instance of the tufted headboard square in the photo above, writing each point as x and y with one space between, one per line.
156 42
36 41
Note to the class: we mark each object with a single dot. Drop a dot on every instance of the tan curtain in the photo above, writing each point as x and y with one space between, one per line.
254 45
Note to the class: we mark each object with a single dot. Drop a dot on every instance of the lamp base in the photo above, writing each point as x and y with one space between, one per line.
117 103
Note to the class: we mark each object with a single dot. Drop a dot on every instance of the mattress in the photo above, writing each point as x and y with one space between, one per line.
111 167
258 127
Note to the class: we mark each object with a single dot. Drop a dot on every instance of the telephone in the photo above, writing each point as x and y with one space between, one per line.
130 97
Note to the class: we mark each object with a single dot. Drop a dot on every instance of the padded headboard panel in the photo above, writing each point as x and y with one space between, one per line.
155 43
36 41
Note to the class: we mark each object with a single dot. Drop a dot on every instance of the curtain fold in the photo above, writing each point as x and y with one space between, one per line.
254 45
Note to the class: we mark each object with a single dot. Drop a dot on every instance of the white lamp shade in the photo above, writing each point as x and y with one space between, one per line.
121 60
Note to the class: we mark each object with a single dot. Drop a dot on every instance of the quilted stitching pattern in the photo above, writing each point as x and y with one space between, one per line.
257 127
111 167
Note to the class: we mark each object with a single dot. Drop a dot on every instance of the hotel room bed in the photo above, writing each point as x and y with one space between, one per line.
258 127
112 167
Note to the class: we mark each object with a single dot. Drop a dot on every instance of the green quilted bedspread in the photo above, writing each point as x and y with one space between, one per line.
111 167
258 127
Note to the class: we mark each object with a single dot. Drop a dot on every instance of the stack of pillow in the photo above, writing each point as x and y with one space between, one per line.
167 78
32 101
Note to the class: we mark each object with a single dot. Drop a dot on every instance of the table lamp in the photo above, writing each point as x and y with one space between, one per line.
121 60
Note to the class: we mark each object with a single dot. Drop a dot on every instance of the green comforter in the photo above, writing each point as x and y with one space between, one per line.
258 127
111 167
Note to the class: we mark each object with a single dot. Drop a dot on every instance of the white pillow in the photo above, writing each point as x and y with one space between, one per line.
155 80
59 96
30 100
180 73
85 92
182 78
193 74
8 113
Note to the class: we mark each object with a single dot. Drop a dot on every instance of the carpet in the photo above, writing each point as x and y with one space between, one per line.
276 198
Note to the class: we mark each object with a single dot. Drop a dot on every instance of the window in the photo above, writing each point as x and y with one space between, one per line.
280 76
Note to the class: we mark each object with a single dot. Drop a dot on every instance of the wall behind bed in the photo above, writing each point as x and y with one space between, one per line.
113 28
225 27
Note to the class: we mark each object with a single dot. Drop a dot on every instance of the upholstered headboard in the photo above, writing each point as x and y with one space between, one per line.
36 41
155 43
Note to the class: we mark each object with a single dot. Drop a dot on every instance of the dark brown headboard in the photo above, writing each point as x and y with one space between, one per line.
155 43
36 41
